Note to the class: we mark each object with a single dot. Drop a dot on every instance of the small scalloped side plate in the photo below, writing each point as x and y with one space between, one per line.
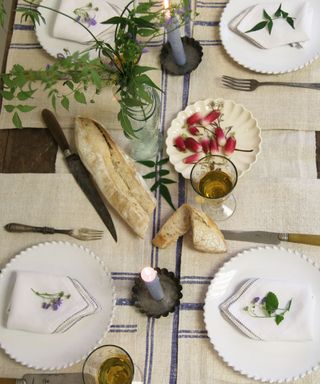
270 362
57 351
270 61
245 127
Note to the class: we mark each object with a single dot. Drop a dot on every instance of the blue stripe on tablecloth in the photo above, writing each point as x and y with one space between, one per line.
191 306
154 251
196 278
192 334
211 43
193 337
123 328
181 200
124 276
207 23
123 301
23 27
164 86
212 6
25 46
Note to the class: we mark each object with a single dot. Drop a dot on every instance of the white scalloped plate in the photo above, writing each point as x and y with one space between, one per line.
54 46
57 351
270 61
260 360
245 127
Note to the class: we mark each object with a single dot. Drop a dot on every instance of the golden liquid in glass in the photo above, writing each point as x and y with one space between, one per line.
116 370
215 184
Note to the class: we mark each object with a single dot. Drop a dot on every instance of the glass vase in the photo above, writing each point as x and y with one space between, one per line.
145 123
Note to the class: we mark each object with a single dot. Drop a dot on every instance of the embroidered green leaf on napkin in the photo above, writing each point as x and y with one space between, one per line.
268 305
268 22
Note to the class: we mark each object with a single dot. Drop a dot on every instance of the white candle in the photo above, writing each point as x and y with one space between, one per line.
152 282
173 35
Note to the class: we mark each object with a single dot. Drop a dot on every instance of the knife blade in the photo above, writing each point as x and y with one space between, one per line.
79 172
271 237
42 378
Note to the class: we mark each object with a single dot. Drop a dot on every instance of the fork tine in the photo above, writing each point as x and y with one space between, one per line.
236 86
93 232
89 237
236 81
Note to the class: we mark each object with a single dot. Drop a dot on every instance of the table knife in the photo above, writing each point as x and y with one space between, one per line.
39 378
79 172
271 237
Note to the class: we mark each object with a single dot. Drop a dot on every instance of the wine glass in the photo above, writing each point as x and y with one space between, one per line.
214 178
108 364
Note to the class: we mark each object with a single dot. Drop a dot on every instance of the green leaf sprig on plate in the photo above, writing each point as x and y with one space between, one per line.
268 20
159 176
269 306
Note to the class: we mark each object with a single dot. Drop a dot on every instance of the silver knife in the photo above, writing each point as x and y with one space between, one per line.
271 237
39 378
79 172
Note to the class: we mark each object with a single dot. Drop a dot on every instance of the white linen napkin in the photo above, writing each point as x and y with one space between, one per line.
67 29
298 322
27 310
282 33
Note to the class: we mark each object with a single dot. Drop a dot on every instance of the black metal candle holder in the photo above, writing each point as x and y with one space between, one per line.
148 305
193 51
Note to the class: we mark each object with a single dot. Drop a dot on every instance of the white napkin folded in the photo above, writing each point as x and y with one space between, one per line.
29 311
282 33
244 308
67 29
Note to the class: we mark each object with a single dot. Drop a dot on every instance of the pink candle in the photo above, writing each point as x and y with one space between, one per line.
152 282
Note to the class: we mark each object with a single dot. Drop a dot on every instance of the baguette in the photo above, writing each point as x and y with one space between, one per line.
206 235
115 174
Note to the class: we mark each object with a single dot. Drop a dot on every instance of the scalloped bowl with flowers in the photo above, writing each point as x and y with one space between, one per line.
213 126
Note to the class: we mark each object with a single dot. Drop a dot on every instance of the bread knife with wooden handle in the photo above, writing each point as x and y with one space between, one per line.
79 172
271 237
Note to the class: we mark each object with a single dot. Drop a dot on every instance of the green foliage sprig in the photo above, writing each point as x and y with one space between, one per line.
269 305
158 175
2 13
83 78
268 22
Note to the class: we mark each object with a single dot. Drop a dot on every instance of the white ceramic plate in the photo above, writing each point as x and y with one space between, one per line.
54 46
245 127
260 360
272 61
57 351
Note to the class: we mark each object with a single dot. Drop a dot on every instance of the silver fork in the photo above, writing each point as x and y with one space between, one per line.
251 84
80 233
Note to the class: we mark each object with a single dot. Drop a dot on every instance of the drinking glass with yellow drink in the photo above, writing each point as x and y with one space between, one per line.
214 178
108 364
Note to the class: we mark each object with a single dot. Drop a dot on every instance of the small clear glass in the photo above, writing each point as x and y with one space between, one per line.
145 123
214 178
108 364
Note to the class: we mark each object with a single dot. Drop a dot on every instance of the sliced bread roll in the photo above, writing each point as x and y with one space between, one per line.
115 174
177 225
206 235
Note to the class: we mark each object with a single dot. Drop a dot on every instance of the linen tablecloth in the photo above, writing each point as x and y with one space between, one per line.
279 193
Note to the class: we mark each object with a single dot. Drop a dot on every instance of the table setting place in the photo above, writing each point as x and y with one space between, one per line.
176 238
